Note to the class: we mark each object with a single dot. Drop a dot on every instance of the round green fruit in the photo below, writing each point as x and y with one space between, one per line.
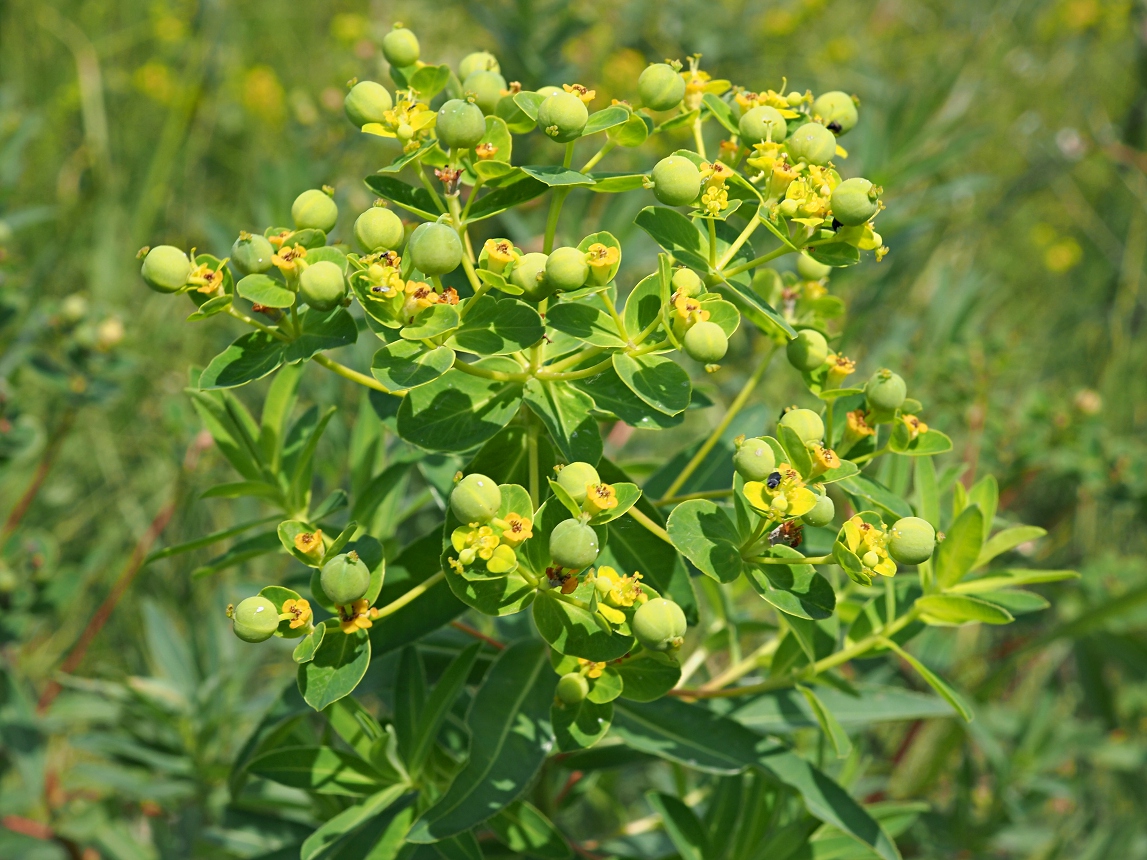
562 116
686 282
762 123
315 210
460 124
378 229
706 342
166 268
573 545
911 540
822 512
885 390
322 285
345 578
400 47
574 477
548 90
435 249
566 269
529 274
660 87
754 460
808 350
366 102
676 181
838 111
854 201
251 254
255 619
487 88
478 61
659 624
572 688
812 143
805 423
810 269
475 499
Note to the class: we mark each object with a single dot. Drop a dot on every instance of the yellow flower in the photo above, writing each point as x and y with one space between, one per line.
355 617
299 611
516 529
823 459
583 93
915 426
689 311
209 280
310 543
502 560
613 616
419 296
456 565
870 544
856 427
599 497
471 543
499 254
286 259
715 197
782 495
601 258
409 120
839 367
485 151
616 589
589 668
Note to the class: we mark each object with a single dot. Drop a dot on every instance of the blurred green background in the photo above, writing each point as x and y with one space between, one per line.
1011 140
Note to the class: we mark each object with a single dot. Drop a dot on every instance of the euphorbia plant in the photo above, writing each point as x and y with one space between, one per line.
503 365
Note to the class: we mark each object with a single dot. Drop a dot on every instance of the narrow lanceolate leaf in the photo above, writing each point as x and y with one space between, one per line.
832 729
960 548
510 737
934 681
958 609
1007 540
320 769
683 828
438 704
697 737
325 841
525 830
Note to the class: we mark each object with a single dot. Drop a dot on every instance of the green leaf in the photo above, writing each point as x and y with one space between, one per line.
616 183
1011 578
604 119
657 380
585 322
721 112
837 736
429 81
582 725
497 326
250 357
611 395
681 825
928 491
704 534
796 589
632 132
244 550
510 736
336 830
696 737
431 322
1007 540
836 254
956 609
525 830
339 663
934 681
679 120
566 412
277 408
301 463
416 200
406 158
763 315
796 453
506 197
319 769
211 307
305 651
265 290
529 102
783 711
957 553
867 492
238 489
404 364
647 675
985 494
555 175
1017 601
676 234
924 445
439 703
431 609
321 330
643 305
576 631
458 411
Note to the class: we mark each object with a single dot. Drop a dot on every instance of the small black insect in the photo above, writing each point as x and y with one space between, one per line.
773 481
834 127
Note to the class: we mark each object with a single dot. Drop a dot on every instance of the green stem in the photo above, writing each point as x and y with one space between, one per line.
532 451
703 494
647 331
809 559
598 156
482 372
712 242
758 533
353 375
699 138
732 250
556 203
266 329
470 200
617 320
828 422
571 600
864 458
429 186
584 373
650 525
411 595
759 261
576 358
735 407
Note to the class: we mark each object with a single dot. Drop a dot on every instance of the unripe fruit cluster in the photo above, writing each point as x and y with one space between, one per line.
475 499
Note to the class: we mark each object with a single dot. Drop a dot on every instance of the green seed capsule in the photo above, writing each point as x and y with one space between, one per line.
659 625
574 477
676 181
487 88
547 91
475 499
686 282
460 124
529 273
660 87
435 249
378 229
810 269
573 545
754 460
706 342
885 390
166 269
314 209
805 423
911 540
837 110
808 350
400 47
562 116
367 102
566 269
822 512
322 285
572 688
812 143
479 61
762 123
854 201
345 578
251 254
255 619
